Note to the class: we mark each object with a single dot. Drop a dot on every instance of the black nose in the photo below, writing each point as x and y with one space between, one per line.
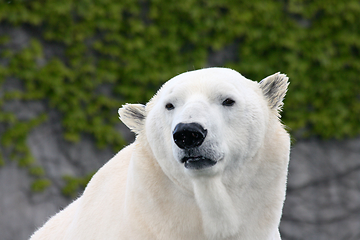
189 135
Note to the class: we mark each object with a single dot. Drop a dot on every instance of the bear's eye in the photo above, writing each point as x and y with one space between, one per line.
169 106
228 102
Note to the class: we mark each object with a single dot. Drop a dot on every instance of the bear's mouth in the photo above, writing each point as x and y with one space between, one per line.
197 162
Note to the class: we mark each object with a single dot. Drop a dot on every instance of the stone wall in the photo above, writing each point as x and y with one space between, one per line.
323 196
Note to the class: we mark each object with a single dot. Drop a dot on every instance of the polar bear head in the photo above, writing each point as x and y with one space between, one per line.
207 122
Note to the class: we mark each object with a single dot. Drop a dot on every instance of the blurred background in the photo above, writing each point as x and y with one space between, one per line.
67 66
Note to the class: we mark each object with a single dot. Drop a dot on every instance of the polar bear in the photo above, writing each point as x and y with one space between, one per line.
209 162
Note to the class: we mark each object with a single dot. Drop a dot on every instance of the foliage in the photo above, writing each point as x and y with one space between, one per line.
75 184
132 47
40 185
2 163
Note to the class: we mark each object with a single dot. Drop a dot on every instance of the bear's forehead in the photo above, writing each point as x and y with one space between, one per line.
206 81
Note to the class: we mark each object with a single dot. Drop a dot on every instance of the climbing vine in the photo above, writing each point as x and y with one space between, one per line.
132 47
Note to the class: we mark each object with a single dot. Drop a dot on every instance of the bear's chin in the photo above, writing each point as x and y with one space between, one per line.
197 163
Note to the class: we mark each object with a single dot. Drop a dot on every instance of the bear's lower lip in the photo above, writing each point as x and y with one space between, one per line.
197 162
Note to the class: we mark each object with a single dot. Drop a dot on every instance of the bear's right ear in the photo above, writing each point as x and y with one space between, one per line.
133 116
274 88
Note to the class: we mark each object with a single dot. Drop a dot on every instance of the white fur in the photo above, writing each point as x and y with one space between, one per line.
145 192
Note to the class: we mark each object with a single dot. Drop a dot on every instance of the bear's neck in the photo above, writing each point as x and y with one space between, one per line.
220 219
244 207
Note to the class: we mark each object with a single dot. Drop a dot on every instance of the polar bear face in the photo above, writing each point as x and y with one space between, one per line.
206 122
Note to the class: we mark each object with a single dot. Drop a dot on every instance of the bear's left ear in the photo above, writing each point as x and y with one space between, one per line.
274 88
133 116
